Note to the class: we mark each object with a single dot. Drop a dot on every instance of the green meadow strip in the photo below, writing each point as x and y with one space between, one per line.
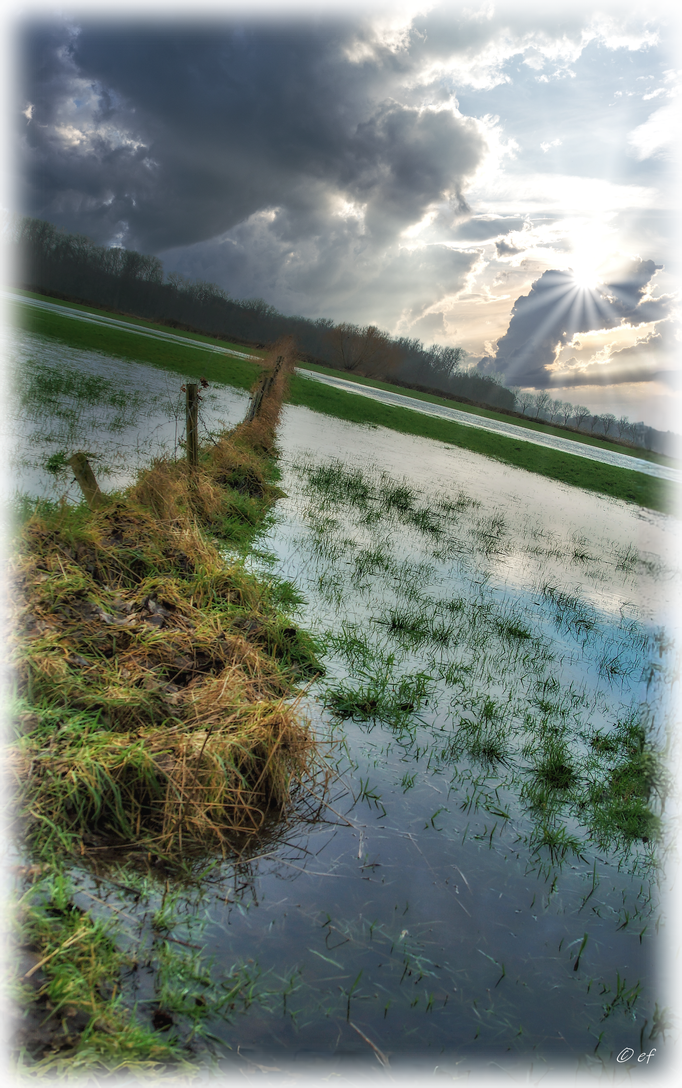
179 358
617 483
489 413
429 398
143 323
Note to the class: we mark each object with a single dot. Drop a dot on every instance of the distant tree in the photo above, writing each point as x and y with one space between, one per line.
566 411
51 260
554 408
368 349
608 420
259 307
542 402
525 400
624 427
204 294
445 360
581 413
411 348
131 265
178 281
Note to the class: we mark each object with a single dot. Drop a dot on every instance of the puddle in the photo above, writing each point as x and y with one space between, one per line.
547 518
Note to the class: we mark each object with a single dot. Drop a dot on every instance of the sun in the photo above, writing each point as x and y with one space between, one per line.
585 261
585 279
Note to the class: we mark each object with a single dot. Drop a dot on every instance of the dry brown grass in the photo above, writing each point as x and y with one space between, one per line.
199 784
159 676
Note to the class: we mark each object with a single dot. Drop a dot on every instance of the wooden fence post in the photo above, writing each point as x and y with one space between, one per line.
192 432
85 478
266 384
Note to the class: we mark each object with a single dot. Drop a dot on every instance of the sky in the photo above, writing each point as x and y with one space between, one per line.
500 177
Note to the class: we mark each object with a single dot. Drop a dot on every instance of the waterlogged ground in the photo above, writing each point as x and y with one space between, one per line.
485 886
497 678
122 413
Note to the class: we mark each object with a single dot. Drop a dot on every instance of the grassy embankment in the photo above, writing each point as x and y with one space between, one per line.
618 483
154 726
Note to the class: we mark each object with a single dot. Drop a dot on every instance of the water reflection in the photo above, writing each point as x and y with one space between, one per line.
468 907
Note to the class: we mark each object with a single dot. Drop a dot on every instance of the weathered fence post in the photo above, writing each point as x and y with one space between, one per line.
261 393
85 478
192 433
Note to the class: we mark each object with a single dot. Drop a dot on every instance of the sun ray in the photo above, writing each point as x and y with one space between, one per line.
577 301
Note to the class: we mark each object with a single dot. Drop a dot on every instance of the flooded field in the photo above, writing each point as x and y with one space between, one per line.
485 889
122 413
512 430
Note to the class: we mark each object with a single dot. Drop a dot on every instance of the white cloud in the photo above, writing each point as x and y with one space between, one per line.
614 33
375 161
567 193
654 138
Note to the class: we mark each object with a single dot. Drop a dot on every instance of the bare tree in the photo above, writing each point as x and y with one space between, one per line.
368 350
542 402
581 413
608 420
525 400
566 412
445 360
624 426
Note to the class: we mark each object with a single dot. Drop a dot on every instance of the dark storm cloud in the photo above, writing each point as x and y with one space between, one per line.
557 308
170 136
478 229
333 273
504 249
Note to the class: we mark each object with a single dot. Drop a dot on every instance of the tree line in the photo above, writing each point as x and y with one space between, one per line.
48 259
542 406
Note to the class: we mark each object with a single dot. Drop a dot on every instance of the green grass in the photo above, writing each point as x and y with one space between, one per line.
143 323
620 797
381 697
75 1020
80 1014
510 716
617 483
178 358
73 564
